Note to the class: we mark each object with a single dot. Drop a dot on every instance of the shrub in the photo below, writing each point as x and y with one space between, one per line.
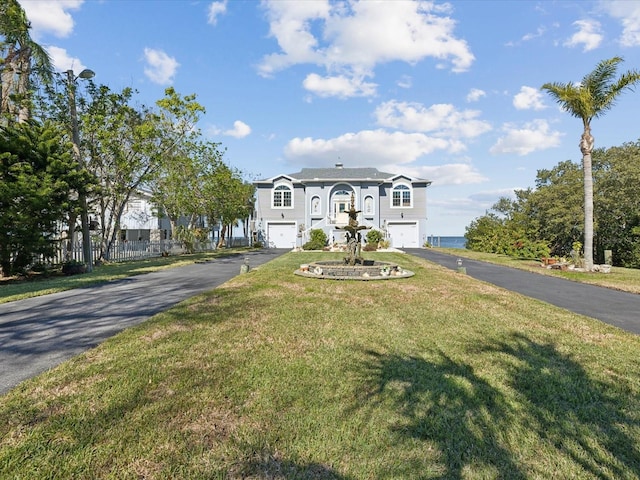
73 267
317 240
374 237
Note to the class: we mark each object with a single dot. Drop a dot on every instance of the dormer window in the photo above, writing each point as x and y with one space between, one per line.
401 196
282 197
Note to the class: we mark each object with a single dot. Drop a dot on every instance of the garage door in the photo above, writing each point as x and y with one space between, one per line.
403 235
282 235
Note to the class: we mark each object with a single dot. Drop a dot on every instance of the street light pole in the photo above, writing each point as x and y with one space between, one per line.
75 137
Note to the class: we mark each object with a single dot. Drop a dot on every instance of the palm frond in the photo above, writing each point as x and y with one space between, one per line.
571 98
601 77
607 99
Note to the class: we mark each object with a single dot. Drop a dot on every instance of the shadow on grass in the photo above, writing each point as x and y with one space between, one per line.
593 423
587 426
272 467
445 403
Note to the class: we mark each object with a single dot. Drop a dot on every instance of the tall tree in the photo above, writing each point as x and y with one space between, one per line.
617 206
121 145
556 206
176 188
590 99
226 198
20 56
37 174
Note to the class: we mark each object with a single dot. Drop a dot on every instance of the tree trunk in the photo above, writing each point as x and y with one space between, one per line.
71 238
586 147
222 234
24 71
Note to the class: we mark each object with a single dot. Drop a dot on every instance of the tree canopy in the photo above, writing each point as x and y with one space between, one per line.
37 176
591 98
20 56
551 214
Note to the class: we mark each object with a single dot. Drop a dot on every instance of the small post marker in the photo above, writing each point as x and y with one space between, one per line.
461 269
244 268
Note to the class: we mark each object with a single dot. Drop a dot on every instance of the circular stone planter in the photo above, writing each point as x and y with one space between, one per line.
367 270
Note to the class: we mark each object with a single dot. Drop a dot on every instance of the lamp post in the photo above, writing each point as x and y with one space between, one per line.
75 137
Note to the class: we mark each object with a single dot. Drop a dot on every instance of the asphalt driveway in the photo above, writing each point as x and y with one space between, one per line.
617 308
39 333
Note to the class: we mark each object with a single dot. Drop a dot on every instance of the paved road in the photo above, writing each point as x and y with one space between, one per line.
610 306
39 333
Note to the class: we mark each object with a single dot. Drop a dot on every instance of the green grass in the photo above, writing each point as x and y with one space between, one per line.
17 289
625 279
273 375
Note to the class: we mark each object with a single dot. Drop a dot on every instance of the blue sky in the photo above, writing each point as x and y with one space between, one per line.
447 91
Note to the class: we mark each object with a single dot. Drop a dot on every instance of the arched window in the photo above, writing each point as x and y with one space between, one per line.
368 205
315 205
401 196
282 197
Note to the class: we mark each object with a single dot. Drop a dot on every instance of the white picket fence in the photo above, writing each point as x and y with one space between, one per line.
123 251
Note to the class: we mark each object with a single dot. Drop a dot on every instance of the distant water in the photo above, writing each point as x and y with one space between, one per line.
447 242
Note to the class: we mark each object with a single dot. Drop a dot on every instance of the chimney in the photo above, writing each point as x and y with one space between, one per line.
338 165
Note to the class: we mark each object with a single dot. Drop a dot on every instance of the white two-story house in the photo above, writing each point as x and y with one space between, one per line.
289 206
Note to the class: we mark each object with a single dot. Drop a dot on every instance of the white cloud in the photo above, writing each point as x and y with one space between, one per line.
215 10
240 130
405 82
476 204
629 15
588 35
338 86
475 94
529 98
494 195
367 148
290 24
531 137
350 39
440 119
449 174
50 17
160 68
62 61
530 36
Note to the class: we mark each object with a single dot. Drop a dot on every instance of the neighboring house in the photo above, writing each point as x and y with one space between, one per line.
138 221
289 206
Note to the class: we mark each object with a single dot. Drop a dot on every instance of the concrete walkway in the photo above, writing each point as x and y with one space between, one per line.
620 309
39 333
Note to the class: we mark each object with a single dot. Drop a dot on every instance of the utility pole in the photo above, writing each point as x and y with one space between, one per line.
75 136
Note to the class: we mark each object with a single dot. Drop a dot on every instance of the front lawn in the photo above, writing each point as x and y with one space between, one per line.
273 375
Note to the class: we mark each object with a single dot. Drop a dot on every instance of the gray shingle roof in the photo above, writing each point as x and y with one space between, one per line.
340 174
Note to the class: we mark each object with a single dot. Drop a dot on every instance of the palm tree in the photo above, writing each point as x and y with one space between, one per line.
590 99
18 55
